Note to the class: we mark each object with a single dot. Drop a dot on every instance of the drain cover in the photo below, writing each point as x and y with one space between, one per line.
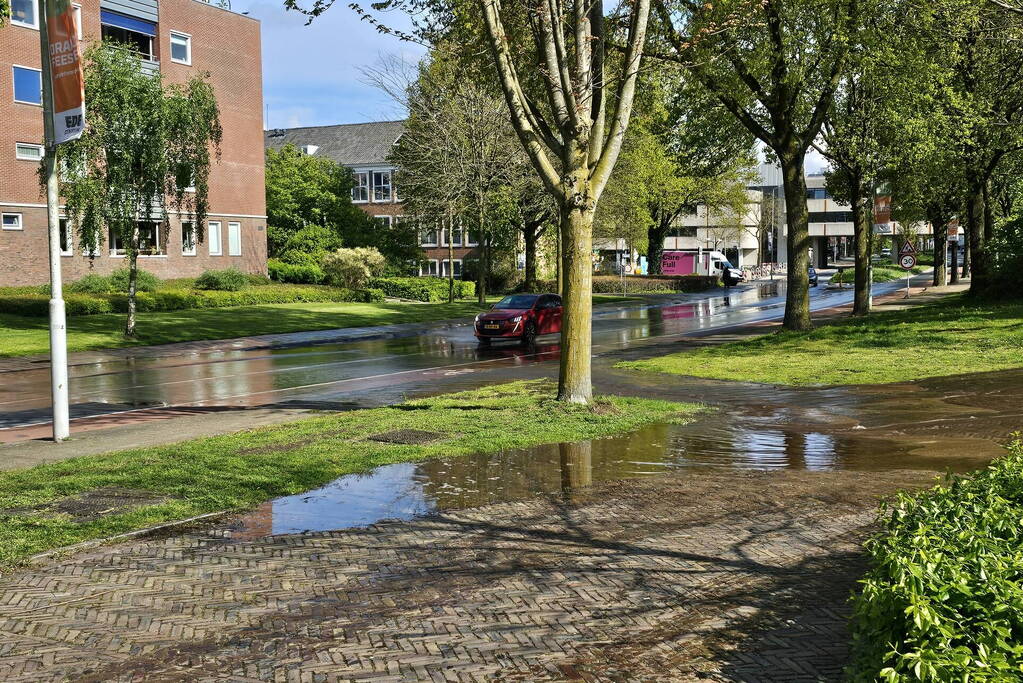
412 437
92 505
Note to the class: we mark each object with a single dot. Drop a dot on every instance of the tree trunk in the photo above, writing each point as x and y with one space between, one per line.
559 261
133 278
656 234
954 269
451 260
940 227
797 296
975 210
863 226
530 236
965 272
481 277
575 382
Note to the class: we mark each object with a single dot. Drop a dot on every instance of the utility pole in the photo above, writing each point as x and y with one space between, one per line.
72 117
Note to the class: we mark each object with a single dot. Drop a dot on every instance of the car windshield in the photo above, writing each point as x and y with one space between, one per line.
517 302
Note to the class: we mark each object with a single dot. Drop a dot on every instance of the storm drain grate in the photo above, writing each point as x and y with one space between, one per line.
409 437
92 505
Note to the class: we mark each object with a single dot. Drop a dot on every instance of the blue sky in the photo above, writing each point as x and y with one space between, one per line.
311 73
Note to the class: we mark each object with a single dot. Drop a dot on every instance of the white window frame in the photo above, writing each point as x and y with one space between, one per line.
76 11
35 14
459 236
216 245
195 240
431 264
18 146
20 222
14 91
436 236
444 267
389 186
188 45
70 251
161 242
237 228
360 186
385 221
466 241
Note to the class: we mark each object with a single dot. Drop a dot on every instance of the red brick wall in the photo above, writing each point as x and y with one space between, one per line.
226 45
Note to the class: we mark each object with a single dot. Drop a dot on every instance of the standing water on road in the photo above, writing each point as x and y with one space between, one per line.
947 424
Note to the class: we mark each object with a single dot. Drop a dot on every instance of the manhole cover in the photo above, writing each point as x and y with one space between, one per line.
410 437
92 505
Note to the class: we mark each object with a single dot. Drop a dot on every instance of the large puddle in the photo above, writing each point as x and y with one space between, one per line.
951 424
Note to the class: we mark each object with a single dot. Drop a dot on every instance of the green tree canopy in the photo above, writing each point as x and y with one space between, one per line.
147 144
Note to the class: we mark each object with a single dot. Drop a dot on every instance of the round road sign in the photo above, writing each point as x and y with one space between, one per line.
907 262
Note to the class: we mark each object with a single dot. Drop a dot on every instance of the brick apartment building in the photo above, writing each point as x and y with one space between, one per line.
364 148
179 38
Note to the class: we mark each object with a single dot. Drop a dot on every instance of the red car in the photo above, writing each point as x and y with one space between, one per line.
520 316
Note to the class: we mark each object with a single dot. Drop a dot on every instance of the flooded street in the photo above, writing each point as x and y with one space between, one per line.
310 369
948 424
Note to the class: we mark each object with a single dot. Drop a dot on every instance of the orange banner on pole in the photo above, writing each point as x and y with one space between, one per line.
65 71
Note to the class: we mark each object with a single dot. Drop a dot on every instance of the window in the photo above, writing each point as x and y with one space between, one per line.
151 241
458 267
234 239
76 11
382 221
818 193
25 13
11 221
830 217
456 237
187 239
428 238
28 85
471 239
28 152
429 269
381 186
181 48
360 191
65 238
136 34
213 237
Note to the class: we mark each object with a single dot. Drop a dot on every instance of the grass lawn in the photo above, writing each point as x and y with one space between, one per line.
24 336
880 273
240 470
952 337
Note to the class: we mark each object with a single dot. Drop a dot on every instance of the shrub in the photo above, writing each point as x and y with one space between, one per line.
430 289
641 284
145 282
92 284
257 279
228 280
300 275
295 257
943 599
352 268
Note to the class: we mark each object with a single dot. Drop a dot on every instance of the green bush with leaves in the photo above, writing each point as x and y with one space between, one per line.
943 600
352 268
428 289
295 274
146 282
227 280
91 284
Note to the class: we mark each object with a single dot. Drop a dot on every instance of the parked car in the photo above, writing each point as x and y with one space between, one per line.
886 253
520 316
814 280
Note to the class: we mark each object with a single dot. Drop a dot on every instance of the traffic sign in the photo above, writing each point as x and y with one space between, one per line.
907 248
907 261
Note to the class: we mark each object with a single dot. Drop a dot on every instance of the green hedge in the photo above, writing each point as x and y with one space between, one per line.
880 273
429 289
943 600
184 299
296 274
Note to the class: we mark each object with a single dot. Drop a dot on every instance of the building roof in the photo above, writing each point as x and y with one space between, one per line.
350 144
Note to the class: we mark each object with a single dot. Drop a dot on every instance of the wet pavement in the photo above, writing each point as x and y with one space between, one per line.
310 371
954 424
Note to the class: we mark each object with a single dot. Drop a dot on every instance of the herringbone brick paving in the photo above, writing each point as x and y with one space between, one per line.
738 576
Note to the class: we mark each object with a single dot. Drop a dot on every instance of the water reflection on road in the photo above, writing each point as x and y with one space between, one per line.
948 424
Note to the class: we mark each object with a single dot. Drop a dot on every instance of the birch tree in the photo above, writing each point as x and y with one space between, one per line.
146 145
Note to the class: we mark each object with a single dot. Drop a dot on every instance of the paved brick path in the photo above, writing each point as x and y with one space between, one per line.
737 576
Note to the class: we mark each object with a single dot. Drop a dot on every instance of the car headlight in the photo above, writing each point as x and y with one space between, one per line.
517 319
478 316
